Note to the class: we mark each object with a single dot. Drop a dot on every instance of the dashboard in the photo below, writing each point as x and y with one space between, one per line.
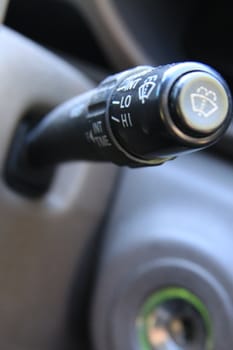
114 257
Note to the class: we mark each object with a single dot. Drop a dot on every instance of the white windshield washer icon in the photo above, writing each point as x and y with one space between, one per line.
203 102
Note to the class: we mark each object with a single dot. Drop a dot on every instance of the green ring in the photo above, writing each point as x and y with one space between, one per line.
167 294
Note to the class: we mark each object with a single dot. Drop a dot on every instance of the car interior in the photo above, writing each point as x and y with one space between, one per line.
123 248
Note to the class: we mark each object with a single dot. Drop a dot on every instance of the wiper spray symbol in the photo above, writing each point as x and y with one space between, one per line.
203 102
146 88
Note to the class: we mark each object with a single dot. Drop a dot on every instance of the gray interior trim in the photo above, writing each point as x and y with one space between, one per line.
3 6
41 241
180 210
110 29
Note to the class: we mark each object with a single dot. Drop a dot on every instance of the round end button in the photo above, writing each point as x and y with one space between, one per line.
201 102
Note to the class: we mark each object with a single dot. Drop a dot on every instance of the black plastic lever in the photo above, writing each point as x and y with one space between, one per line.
140 117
